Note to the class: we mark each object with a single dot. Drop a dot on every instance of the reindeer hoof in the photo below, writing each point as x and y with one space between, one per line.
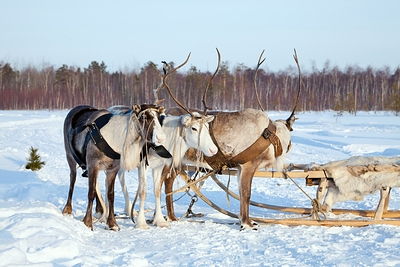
253 226
67 210
242 228
172 218
115 228
142 226
163 224
101 217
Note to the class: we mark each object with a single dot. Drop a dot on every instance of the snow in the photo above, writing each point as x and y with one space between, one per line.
34 232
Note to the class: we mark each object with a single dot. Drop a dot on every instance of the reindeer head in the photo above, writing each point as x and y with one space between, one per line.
150 119
195 126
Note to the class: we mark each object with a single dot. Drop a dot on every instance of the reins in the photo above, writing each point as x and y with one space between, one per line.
316 205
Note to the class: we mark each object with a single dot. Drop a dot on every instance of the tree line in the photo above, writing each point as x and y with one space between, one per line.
350 89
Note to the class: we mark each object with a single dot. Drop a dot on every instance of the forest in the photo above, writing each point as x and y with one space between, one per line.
350 89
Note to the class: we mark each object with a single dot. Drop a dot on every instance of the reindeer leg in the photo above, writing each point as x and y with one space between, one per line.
386 206
157 184
245 176
322 189
111 221
100 205
72 178
141 220
379 211
93 171
128 203
168 186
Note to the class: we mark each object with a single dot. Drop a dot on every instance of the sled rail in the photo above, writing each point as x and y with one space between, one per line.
312 178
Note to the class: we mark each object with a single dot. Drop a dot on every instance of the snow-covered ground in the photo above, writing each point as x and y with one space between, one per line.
34 232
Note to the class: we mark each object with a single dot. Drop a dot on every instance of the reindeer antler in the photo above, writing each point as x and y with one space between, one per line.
164 82
300 80
292 118
260 62
155 91
209 82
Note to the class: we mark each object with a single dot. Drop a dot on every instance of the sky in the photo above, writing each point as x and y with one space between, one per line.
128 34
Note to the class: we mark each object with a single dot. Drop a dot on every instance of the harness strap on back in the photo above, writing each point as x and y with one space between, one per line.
268 137
95 135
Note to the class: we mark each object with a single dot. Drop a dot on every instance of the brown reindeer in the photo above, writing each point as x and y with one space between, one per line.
247 140
98 140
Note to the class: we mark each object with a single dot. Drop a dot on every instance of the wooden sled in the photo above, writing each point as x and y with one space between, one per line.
312 178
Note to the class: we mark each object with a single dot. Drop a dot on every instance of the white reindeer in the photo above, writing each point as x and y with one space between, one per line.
358 176
182 132
98 140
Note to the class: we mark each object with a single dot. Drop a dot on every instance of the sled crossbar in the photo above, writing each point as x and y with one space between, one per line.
297 171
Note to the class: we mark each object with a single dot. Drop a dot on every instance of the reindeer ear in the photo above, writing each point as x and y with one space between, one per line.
136 108
287 123
209 118
161 110
186 120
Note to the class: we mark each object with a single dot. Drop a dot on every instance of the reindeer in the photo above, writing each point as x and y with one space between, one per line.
358 176
182 132
264 145
99 140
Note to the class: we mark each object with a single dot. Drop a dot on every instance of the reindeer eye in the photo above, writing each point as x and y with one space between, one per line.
194 129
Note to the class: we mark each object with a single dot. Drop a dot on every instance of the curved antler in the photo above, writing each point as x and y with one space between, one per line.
209 82
291 118
164 82
260 62
155 91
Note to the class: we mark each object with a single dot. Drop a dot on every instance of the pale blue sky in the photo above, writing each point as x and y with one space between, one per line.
131 33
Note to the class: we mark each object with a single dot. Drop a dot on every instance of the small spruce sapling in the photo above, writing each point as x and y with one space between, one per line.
34 161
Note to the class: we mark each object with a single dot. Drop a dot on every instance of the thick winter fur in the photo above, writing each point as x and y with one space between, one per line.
356 177
125 133
234 132
182 132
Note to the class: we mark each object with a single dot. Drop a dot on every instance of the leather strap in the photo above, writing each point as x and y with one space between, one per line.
95 135
268 137
97 138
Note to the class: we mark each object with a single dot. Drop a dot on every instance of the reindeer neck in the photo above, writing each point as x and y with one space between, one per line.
175 139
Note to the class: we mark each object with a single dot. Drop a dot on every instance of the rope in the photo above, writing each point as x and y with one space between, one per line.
316 206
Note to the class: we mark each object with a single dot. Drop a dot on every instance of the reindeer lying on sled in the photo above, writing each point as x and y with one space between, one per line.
353 178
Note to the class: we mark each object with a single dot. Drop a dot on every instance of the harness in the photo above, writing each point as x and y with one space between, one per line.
94 135
160 150
219 161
